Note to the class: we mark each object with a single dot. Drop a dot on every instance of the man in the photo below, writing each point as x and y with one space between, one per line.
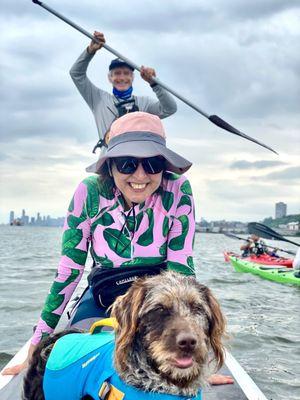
107 107
255 246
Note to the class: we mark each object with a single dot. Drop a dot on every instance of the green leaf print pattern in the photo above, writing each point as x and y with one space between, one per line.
186 188
71 206
165 227
55 299
71 239
105 220
146 238
163 249
92 201
73 221
142 261
167 200
190 262
177 243
120 244
103 261
181 268
185 201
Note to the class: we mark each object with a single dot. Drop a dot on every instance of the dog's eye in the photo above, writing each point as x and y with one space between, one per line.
160 309
197 308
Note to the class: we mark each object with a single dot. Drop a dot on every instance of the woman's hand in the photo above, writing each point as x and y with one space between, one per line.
217 379
94 46
16 369
148 74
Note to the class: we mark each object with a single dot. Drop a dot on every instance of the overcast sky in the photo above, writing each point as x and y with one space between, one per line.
239 59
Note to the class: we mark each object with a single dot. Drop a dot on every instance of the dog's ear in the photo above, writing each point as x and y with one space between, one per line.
126 311
217 328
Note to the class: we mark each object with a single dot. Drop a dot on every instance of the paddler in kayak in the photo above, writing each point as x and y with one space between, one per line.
256 246
107 107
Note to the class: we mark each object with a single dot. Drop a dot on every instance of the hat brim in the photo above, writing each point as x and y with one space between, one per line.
143 149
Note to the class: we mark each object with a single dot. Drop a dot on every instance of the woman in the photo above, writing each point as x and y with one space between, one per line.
138 211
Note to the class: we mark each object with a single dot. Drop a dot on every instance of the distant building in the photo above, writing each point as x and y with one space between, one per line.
11 217
293 226
280 210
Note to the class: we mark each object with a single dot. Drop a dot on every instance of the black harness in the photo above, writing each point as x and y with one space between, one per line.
123 107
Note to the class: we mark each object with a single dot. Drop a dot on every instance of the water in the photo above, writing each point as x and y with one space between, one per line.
263 316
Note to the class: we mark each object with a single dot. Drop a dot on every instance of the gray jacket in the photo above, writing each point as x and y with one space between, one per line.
102 103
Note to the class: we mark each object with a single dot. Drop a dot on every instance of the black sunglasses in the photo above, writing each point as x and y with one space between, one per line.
128 165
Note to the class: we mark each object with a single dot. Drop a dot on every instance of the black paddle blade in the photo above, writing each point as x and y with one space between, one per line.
224 125
264 231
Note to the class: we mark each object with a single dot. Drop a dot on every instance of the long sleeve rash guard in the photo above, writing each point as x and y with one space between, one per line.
162 231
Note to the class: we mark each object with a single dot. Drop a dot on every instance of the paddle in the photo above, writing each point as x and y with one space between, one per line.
213 118
267 233
247 240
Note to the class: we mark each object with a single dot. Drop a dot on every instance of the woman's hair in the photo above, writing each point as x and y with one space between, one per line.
105 177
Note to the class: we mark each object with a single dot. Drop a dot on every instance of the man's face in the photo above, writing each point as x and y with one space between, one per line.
121 78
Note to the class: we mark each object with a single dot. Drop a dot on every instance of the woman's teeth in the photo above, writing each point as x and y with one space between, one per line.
138 185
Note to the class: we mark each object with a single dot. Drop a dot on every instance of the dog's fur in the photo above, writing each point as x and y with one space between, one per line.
169 336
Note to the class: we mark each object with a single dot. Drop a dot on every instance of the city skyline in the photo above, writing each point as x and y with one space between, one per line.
39 220
280 210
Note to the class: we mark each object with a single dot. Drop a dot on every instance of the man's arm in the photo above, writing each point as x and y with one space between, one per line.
86 88
165 106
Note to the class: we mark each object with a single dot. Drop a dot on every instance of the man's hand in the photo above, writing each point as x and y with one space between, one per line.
93 46
148 74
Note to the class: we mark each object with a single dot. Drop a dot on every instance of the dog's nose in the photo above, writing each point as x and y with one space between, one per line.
186 341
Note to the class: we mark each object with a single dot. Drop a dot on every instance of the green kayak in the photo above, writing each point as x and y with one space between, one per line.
281 275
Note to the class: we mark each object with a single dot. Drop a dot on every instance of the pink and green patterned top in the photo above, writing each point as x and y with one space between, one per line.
162 231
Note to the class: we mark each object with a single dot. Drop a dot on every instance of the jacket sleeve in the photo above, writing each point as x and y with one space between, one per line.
164 107
75 240
86 88
182 232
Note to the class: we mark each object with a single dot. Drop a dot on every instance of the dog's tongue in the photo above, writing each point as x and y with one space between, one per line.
183 362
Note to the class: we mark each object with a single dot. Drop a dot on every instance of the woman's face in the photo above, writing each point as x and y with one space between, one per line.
138 186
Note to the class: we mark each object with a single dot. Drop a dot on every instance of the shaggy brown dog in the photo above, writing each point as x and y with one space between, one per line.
168 338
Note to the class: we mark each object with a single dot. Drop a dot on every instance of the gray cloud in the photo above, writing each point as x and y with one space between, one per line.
242 164
234 59
289 174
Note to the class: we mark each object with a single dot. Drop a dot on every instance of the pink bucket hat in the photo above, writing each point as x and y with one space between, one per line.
139 134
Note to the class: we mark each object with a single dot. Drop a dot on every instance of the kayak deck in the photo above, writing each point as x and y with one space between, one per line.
276 274
264 259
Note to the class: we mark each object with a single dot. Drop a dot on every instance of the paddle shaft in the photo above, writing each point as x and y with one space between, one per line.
247 240
213 118
267 233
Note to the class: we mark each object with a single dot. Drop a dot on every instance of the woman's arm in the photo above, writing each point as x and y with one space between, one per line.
182 231
71 266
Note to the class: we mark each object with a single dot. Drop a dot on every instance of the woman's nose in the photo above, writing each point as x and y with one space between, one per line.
140 172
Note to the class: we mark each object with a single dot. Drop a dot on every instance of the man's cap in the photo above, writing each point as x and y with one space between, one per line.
117 63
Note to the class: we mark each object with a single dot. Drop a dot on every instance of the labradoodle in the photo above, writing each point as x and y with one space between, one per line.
168 339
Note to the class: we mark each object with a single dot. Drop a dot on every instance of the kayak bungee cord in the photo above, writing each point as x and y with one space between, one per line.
213 118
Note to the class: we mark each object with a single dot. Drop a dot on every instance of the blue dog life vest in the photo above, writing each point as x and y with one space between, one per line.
82 364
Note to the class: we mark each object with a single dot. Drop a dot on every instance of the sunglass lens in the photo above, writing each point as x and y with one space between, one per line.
126 165
153 165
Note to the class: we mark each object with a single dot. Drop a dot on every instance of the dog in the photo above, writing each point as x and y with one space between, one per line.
168 338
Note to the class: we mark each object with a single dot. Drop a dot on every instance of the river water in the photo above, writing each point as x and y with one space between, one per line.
263 316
